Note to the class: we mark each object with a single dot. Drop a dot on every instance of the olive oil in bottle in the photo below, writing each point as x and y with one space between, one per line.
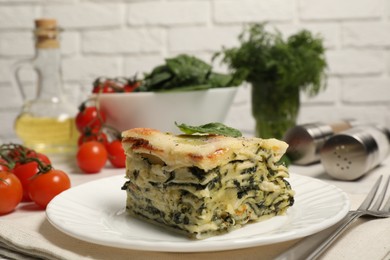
60 135
46 123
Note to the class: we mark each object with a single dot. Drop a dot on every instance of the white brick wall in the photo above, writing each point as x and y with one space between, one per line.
232 11
169 13
86 15
340 10
123 41
123 37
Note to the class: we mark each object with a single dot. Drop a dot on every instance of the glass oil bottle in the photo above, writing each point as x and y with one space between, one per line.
47 122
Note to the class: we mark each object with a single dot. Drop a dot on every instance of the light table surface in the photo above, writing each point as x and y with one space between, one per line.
27 229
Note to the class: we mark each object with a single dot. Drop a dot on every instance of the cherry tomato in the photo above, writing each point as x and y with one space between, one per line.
43 158
25 172
90 117
3 165
131 86
45 186
91 157
107 86
93 135
18 152
116 154
40 156
11 192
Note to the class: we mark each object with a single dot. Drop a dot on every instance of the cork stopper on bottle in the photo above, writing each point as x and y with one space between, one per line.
46 33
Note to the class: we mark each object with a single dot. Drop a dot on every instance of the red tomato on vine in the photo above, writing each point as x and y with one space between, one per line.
25 172
92 135
3 165
116 154
11 192
108 86
90 117
91 157
45 186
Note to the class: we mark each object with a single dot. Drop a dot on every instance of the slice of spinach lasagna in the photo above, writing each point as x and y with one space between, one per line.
204 185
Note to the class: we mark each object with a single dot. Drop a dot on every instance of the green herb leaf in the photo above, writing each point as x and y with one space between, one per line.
185 73
210 128
278 69
265 58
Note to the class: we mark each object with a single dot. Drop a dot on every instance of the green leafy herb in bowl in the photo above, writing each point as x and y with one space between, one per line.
184 89
185 73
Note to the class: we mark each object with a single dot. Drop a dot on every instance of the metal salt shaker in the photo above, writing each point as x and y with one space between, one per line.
354 152
306 140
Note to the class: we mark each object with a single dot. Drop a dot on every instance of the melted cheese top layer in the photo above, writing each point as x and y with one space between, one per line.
203 151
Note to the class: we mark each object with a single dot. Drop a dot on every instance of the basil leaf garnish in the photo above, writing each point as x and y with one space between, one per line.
210 128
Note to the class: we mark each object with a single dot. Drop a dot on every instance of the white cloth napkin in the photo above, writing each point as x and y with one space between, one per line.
37 238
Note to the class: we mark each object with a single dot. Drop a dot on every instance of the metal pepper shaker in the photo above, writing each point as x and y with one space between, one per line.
354 152
306 140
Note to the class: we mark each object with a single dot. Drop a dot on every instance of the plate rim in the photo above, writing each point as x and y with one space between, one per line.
199 245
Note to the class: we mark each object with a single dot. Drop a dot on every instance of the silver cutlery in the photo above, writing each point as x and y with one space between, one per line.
313 246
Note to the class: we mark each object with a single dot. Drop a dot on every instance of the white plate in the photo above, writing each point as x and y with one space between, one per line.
94 212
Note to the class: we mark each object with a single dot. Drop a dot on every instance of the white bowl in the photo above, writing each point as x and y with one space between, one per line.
161 110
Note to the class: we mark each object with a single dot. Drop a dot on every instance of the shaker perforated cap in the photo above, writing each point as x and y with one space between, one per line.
346 157
351 154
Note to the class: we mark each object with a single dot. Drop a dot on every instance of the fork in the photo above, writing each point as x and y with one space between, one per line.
371 206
